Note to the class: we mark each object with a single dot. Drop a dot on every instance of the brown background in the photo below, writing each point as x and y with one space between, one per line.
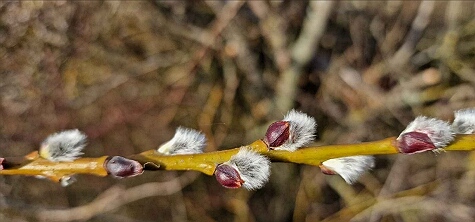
128 73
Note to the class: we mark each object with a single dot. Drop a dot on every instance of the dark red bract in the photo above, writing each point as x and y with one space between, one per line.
228 176
414 142
277 134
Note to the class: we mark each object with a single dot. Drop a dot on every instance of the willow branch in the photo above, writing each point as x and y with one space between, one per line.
33 165
206 162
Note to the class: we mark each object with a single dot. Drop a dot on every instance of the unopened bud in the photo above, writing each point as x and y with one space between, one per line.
247 169
296 130
425 134
122 167
464 121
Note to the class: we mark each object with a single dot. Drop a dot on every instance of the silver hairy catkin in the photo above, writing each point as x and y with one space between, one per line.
64 146
464 121
254 168
185 141
350 168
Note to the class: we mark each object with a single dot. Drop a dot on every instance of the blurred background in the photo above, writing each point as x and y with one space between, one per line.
128 73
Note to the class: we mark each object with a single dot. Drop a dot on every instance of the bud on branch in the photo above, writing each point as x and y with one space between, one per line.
425 134
296 130
247 168
121 167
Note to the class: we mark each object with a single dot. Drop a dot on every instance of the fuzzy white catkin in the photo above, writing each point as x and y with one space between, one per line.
253 168
64 146
350 168
185 141
302 130
439 131
464 121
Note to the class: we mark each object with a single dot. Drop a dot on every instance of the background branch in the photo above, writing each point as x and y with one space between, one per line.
116 196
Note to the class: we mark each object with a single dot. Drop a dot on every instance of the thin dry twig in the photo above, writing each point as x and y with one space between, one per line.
117 196
401 57
302 51
452 212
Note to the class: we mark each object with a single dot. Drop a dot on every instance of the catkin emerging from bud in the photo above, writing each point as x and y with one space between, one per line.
296 130
247 169
349 168
464 121
185 141
424 134
64 146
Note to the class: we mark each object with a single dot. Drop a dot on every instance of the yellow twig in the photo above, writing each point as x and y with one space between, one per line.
56 170
206 162
32 165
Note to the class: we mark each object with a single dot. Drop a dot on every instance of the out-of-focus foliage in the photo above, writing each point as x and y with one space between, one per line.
129 72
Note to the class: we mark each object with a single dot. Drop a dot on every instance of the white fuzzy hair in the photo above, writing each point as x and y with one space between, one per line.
302 130
185 141
64 146
253 168
464 121
439 131
67 180
350 168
